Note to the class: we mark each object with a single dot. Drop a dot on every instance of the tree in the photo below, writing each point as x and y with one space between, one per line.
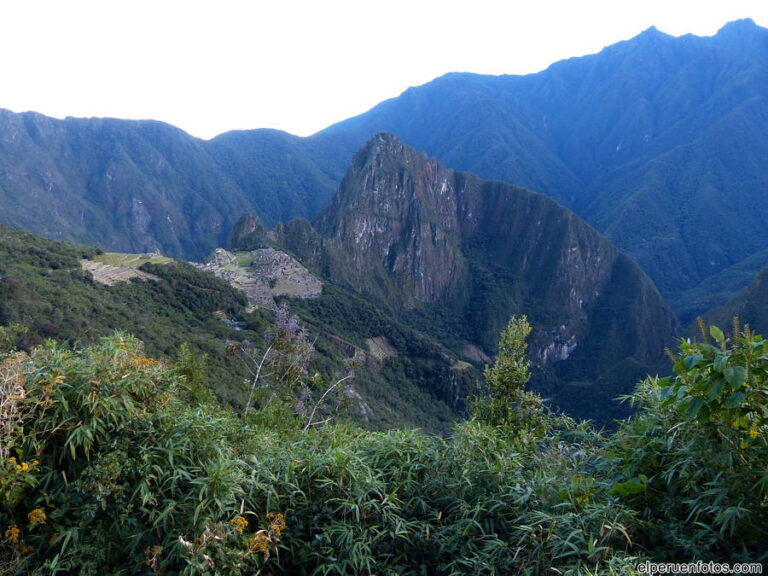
507 402
280 384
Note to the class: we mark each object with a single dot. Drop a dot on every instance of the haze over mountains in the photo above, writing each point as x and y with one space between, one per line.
658 142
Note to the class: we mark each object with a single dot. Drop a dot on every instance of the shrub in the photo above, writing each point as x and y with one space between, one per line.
693 461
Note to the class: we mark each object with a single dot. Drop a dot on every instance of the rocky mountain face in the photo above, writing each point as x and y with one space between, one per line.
658 142
397 214
455 256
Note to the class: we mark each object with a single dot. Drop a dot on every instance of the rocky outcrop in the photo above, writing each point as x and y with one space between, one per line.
463 254
397 211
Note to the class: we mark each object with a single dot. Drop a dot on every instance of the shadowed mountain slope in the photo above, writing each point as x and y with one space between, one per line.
456 256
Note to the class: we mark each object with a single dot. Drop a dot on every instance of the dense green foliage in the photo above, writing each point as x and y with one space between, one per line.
697 451
109 467
505 401
43 286
419 386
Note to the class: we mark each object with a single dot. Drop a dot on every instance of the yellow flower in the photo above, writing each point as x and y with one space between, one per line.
276 524
240 524
26 549
12 533
753 433
259 542
36 516
24 466
743 444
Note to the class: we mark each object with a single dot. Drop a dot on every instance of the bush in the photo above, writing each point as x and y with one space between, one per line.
692 462
116 474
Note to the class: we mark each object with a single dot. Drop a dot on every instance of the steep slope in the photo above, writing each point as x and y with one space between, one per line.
657 141
750 305
48 287
45 287
455 256
140 186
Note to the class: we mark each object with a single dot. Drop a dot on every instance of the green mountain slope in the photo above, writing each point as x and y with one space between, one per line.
140 186
659 142
750 305
44 287
456 256
402 378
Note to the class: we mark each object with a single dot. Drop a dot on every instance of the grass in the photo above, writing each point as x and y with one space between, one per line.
121 260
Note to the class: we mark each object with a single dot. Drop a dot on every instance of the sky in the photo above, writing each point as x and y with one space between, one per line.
298 65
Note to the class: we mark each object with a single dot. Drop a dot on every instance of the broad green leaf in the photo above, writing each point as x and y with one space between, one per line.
721 360
717 334
735 375
692 360
715 389
735 400
694 407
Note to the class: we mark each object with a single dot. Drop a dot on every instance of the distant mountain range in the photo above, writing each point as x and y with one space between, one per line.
659 142
140 186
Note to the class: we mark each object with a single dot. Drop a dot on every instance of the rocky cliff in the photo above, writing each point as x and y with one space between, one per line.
455 256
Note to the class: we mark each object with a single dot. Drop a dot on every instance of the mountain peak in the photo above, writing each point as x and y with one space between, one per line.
383 143
742 25
742 31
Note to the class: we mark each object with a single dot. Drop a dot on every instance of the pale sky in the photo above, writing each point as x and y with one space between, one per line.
298 65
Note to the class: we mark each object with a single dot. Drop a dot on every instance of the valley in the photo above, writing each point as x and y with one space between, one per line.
498 324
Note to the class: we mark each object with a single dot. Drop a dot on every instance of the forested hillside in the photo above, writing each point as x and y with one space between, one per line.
455 256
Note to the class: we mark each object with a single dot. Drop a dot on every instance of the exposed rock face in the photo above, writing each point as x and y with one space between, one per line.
247 234
467 253
400 214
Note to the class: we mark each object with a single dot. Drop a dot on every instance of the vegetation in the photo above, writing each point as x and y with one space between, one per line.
111 467
43 286
692 462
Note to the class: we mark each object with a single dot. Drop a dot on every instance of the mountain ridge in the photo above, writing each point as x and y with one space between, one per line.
657 141
455 256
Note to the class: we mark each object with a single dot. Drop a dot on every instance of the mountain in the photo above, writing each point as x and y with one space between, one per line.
659 142
78 294
750 305
455 256
140 186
